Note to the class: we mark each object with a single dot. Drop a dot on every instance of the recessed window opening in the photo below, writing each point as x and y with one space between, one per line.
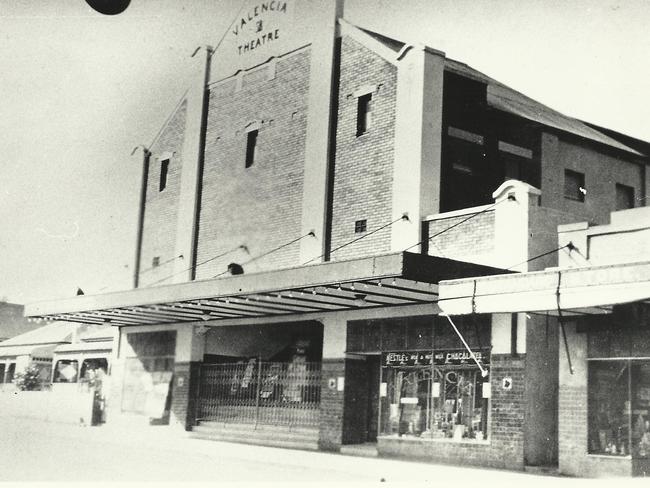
360 226
251 144
155 262
574 185
624 197
164 169
364 117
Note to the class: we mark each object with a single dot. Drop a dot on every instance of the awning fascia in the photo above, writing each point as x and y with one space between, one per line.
40 350
385 280
588 290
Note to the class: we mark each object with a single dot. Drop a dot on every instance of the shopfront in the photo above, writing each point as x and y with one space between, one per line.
618 387
430 386
436 395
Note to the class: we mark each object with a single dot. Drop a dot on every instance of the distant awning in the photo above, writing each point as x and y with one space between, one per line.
34 350
98 346
589 290
381 281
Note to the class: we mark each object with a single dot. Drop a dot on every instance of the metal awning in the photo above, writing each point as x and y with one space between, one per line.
35 350
381 281
588 290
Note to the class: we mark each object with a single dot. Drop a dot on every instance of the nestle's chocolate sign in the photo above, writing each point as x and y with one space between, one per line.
438 358
257 27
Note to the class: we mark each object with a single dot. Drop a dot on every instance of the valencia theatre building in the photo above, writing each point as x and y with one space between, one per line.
298 211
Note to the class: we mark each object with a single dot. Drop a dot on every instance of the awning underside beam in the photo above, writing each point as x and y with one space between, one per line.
365 293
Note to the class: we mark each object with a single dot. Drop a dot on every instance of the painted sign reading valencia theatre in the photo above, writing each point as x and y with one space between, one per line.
260 25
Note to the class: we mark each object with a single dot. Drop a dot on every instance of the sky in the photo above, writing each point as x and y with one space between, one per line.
80 90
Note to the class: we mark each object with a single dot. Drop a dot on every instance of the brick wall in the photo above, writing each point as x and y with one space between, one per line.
161 207
331 406
259 206
363 171
184 390
471 241
505 446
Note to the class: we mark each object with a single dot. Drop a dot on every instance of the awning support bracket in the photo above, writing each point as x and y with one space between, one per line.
561 320
484 372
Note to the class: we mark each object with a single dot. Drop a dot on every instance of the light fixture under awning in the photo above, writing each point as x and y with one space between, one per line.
381 281
588 290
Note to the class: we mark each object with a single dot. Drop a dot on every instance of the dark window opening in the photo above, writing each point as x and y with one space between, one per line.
164 169
364 107
517 163
624 197
155 262
251 144
2 373
9 378
574 185
468 180
360 226
94 365
66 371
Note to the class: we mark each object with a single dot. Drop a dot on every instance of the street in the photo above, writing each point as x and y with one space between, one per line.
37 451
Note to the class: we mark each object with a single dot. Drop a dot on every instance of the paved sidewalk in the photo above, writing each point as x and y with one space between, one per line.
39 451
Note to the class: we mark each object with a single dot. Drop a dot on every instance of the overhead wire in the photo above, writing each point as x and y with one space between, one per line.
570 246
486 209
403 217
191 268
310 233
161 264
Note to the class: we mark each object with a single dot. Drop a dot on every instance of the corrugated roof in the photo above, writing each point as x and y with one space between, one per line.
506 99
390 43
54 333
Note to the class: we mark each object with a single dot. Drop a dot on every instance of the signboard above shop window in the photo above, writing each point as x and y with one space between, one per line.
448 357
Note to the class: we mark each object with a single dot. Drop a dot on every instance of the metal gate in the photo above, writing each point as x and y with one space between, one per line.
260 393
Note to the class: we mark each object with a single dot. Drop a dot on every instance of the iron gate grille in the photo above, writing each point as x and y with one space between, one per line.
268 393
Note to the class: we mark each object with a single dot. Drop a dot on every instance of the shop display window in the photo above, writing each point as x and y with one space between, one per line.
435 401
619 407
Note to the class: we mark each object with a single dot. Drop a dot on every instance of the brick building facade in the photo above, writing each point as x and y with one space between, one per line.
335 177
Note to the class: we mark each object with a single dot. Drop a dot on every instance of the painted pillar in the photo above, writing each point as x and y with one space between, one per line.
514 201
318 140
188 205
418 140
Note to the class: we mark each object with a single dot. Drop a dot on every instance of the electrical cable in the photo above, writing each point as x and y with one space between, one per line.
161 264
242 246
568 246
487 209
225 32
403 217
310 233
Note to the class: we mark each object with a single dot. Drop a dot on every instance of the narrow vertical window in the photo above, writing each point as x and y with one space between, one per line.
164 168
364 108
251 144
